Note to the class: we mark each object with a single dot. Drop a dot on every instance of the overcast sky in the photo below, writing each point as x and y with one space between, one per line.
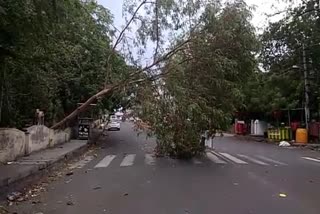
260 20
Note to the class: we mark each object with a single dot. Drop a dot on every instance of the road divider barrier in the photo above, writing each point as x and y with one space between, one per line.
278 134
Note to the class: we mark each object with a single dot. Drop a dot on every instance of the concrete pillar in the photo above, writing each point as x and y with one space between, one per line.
27 143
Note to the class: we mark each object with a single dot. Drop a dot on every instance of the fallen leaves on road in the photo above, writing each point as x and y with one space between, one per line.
282 195
31 193
69 173
97 187
70 203
3 210
68 181
20 197
15 196
36 202
35 191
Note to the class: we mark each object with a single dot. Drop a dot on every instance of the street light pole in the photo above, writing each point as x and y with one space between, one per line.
306 87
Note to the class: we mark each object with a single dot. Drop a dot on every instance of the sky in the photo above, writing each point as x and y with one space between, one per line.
259 20
260 17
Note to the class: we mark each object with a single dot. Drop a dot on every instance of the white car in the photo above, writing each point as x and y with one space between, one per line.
113 125
113 117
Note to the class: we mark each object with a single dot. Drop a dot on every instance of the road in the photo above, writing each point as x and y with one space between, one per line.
239 178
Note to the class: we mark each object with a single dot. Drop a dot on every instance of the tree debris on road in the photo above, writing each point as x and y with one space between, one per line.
69 173
14 196
97 187
70 203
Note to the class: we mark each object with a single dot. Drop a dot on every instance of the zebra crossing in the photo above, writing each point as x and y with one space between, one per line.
224 158
232 158
105 161
316 160
129 160
212 157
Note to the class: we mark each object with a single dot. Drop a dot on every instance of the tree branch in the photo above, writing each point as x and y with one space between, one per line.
128 24
109 69
156 77
108 89
83 107
163 58
157 30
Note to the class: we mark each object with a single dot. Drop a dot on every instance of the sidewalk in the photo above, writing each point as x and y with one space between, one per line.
255 138
34 164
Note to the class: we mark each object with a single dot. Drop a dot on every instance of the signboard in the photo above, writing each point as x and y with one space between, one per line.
83 131
85 120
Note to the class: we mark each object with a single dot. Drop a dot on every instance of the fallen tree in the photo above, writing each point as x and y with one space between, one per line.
150 28
203 85
192 85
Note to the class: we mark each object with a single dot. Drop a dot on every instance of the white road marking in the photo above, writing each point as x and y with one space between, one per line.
312 159
105 161
253 160
271 160
234 159
128 160
215 158
196 161
149 159
81 163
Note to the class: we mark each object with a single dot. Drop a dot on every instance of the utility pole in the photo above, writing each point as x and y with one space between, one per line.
306 87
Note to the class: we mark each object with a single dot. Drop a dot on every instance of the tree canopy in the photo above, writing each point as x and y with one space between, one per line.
282 46
53 56
202 88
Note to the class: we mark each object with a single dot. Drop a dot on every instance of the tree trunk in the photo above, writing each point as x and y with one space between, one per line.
83 107
2 61
1 96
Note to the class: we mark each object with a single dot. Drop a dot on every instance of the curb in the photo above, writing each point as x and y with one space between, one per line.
35 172
253 138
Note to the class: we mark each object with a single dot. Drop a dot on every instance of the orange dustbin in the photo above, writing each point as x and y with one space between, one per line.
302 136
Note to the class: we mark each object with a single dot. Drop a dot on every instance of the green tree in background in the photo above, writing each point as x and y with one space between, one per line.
282 57
53 55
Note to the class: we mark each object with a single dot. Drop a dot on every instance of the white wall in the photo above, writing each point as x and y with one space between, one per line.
59 136
39 138
15 143
12 144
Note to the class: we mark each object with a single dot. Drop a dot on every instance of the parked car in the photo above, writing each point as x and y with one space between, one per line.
113 125
119 115
113 117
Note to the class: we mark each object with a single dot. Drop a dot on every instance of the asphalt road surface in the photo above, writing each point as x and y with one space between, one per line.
240 177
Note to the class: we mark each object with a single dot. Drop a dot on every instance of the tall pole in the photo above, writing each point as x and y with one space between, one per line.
306 88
